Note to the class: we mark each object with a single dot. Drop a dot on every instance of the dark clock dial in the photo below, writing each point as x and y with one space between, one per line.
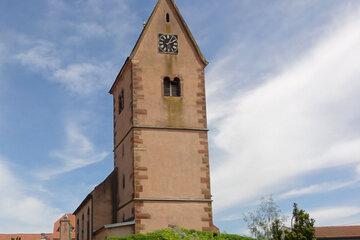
168 43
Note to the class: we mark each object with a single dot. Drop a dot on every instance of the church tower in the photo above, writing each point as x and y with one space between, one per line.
160 129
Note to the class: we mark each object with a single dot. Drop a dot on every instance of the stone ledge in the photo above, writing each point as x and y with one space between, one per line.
115 225
172 200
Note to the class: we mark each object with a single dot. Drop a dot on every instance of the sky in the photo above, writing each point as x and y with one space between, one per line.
283 94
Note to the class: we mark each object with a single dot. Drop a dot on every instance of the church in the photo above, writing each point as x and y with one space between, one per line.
161 175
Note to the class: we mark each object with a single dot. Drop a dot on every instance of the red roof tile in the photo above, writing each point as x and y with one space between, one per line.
338 231
24 236
38 236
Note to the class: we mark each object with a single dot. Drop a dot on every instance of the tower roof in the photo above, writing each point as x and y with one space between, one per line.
146 26
183 23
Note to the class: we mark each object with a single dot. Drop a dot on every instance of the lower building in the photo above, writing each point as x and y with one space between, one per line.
338 233
64 229
99 209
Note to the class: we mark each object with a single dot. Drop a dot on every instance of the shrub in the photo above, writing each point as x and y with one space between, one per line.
181 234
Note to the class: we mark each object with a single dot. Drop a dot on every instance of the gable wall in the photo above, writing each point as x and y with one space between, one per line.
150 67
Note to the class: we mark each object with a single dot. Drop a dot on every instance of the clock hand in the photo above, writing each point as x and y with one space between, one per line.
172 41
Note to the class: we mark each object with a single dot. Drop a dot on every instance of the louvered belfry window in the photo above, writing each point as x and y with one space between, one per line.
172 88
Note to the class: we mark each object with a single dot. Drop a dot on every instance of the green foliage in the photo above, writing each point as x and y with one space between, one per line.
276 230
181 234
266 223
302 226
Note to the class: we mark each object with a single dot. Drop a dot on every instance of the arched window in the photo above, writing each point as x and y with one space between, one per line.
176 88
172 88
167 87
167 17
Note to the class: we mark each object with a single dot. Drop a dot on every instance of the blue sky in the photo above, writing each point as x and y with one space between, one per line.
283 104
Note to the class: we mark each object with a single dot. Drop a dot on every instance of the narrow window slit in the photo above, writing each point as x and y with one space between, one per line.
121 101
167 17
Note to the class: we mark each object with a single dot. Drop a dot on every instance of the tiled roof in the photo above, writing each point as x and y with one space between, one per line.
24 236
336 232
38 236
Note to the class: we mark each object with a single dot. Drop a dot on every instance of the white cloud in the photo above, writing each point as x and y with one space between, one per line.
318 188
42 56
64 62
78 152
342 215
3 52
90 29
20 210
358 169
302 120
93 19
80 78
84 78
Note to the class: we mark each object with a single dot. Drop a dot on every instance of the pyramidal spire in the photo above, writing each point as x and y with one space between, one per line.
176 12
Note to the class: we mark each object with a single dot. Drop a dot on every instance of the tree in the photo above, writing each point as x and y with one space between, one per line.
260 222
302 226
277 232
267 223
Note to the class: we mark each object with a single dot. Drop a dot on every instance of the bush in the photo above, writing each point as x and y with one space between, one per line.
181 234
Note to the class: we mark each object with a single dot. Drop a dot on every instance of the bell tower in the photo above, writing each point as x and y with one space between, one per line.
160 128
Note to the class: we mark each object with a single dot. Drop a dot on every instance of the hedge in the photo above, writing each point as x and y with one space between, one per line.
181 234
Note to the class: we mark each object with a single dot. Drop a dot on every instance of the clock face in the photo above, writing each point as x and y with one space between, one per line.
168 43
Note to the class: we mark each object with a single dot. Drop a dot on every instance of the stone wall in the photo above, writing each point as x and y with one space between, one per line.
105 202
